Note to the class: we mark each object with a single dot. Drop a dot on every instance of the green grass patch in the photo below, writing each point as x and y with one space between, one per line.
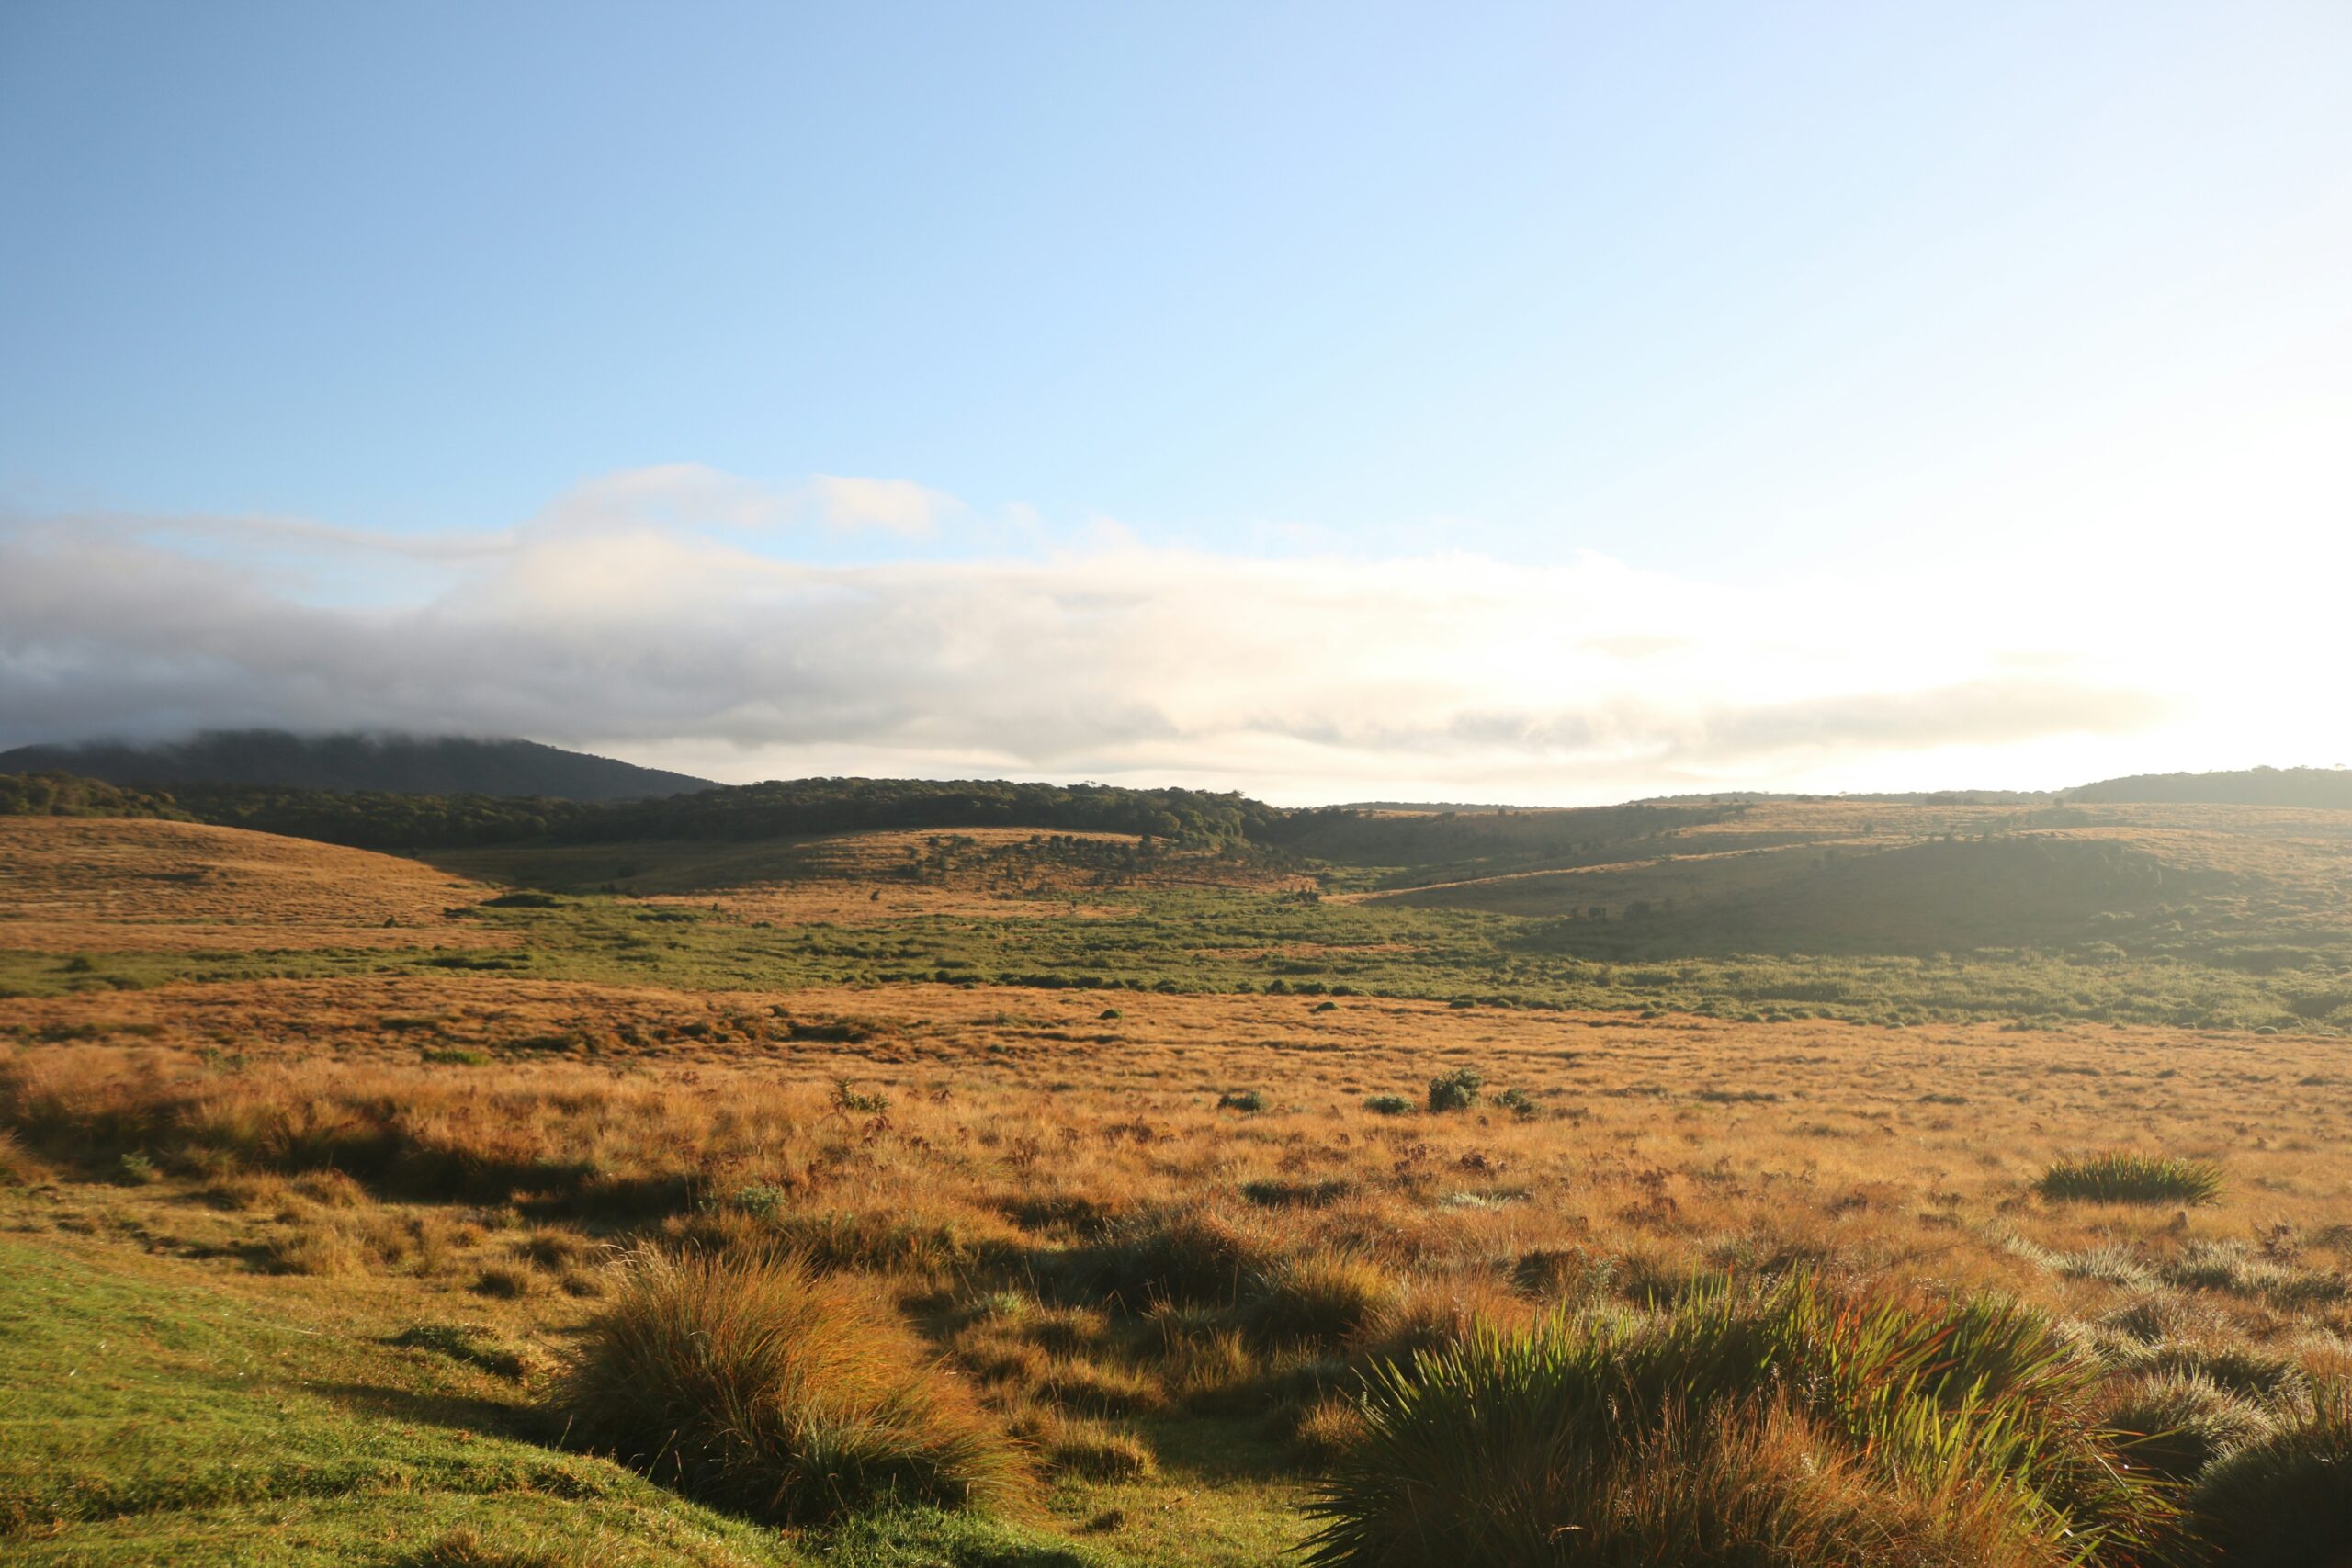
2120 1177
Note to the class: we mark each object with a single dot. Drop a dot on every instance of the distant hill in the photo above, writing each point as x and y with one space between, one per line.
2326 789
1432 807
389 764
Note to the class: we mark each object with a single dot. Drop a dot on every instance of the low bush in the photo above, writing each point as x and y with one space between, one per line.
750 1383
1247 1100
1388 1105
2125 1177
1457 1090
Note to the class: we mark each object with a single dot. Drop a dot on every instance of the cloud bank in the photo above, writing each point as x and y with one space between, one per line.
666 616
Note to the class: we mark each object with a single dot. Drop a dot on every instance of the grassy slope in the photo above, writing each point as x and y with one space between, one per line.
2194 917
148 1420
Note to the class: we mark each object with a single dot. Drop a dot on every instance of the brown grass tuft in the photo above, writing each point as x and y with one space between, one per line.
751 1383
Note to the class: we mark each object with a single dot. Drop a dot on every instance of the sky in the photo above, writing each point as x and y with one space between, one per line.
1550 404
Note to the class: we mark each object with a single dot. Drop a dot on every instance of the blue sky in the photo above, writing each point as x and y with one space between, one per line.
1799 304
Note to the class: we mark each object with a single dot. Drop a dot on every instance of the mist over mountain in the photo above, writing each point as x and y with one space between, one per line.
385 763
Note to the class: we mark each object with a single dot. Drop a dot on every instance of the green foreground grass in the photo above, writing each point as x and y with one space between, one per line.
144 1422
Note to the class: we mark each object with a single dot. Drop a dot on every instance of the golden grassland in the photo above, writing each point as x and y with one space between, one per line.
860 879
1154 1242
85 885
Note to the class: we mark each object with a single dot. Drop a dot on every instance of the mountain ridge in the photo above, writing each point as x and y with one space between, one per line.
357 762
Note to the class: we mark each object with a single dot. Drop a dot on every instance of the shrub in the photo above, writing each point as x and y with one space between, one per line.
2283 1501
1791 1427
1457 1091
752 1384
1247 1100
1388 1105
1519 1103
2124 1178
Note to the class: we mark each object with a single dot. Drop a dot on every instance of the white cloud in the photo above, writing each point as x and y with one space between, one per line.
692 495
651 614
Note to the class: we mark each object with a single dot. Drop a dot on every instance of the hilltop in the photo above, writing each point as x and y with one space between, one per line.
398 764
2323 789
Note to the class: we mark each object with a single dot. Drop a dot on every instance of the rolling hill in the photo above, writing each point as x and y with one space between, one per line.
396 764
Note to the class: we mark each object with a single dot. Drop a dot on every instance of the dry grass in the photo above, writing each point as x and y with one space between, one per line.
746 1380
856 879
1042 1192
74 885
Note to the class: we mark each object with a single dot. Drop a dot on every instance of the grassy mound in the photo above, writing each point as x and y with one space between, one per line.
748 1382
2177 1424
2125 1177
2285 1499
1790 1427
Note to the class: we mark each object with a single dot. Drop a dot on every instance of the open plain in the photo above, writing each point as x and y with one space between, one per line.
328 1173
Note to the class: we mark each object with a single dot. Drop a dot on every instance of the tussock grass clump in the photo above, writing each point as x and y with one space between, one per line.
507 1282
1327 1428
1191 1254
2120 1177
2270 1379
1794 1426
312 1248
17 1166
1095 1451
2174 1425
917 1237
750 1383
2285 1499
1321 1298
